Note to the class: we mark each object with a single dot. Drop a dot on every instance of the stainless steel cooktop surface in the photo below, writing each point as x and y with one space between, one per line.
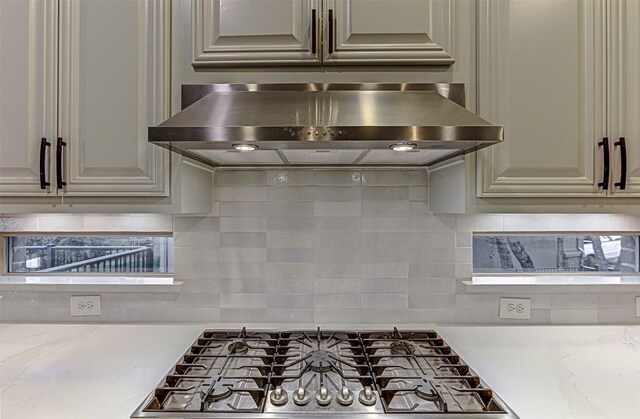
319 373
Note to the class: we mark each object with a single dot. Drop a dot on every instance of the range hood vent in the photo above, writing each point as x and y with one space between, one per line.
324 125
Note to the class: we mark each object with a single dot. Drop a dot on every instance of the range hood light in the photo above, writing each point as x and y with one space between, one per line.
244 147
403 147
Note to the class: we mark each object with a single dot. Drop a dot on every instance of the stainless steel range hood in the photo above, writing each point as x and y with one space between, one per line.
324 125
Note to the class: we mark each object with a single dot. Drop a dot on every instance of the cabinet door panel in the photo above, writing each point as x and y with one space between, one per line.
541 75
254 32
414 32
27 93
113 85
625 90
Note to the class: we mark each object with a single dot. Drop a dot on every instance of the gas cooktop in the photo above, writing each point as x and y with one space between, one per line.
318 373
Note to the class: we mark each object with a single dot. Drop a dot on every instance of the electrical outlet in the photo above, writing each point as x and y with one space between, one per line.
85 305
637 306
515 308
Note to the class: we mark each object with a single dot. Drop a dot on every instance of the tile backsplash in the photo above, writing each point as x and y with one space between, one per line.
322 246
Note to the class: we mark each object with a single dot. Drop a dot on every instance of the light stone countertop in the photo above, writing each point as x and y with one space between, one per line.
104 371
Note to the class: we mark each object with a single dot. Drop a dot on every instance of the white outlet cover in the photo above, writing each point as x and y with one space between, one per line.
515 308
637 306
85 305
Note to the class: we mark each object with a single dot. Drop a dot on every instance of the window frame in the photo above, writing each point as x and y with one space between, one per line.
5 249
523 273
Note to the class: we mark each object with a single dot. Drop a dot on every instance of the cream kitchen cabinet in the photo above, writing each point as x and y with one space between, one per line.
624 94
114 78
375 32
104 80
544 72
255 32
27 95
317 32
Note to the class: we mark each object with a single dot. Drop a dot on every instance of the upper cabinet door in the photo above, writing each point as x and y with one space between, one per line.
383 32
255 32
541 74
27 94
624 47
114 84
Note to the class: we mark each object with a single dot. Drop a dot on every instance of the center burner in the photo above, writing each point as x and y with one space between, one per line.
238 346
248 374
402 347
320 361
322 371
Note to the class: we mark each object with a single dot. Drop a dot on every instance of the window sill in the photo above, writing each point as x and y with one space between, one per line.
539 284
96 284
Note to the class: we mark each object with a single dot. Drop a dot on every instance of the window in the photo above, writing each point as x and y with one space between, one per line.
555 253
89 254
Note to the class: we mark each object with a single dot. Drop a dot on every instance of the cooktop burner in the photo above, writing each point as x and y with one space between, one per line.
251 374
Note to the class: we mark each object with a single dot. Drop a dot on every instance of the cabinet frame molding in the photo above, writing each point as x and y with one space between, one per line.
440 32
153 162
624 92
208 52
492 39
41 103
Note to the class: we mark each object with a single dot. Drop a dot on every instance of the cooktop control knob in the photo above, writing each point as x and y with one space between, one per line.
323 397
367 397
345 396
301 396
279 396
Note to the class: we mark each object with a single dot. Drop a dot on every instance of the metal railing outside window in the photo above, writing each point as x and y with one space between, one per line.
89 254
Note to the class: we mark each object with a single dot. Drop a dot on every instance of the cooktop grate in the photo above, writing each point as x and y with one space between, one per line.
244 373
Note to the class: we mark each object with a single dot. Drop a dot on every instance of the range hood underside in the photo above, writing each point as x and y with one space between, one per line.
324 125
283 154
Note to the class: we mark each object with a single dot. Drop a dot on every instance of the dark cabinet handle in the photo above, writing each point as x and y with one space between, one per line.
331 31
605 175
313 31
59 150
623 163
43 166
